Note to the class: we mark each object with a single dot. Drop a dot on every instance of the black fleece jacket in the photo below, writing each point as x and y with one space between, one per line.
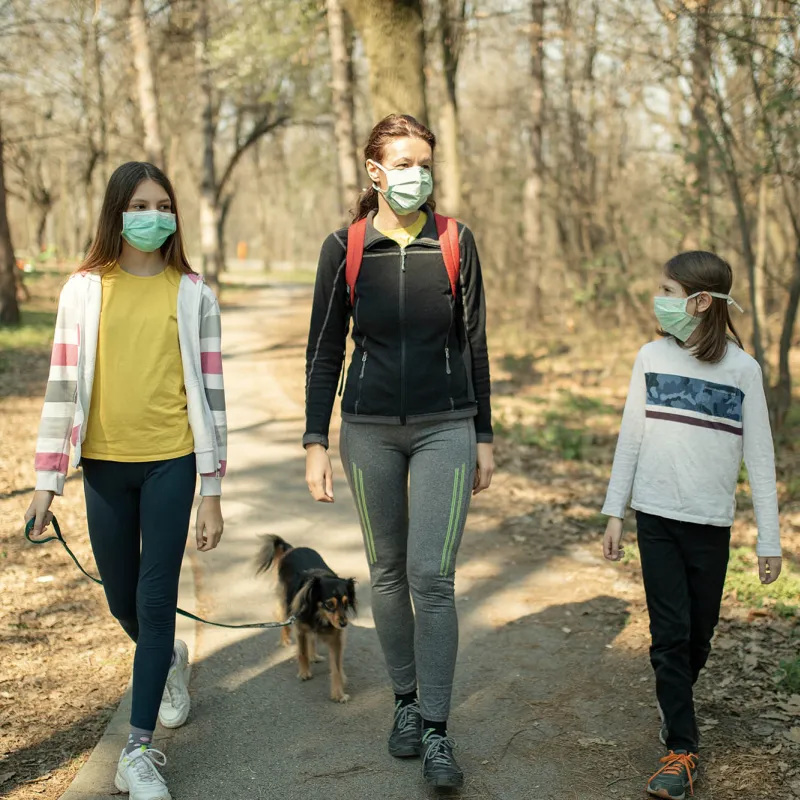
420 355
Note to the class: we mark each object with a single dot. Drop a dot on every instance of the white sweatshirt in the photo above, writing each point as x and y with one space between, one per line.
686 426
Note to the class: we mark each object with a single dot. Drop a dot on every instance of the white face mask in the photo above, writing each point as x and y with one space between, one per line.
673 317
407 189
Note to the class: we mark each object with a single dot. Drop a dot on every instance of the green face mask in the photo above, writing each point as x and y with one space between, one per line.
675 320
407 189
147 230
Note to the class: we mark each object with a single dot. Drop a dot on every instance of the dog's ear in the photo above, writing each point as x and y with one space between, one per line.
304 601
351 595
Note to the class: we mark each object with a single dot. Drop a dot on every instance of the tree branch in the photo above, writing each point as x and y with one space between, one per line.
261 128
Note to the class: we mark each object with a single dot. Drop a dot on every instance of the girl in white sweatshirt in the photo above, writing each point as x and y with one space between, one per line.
695 408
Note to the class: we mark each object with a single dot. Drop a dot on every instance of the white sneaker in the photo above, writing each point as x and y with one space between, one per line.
137 774
175 702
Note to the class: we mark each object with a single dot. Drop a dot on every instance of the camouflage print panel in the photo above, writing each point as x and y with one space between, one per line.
694 394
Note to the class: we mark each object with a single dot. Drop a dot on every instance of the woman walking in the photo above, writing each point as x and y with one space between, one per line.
416 438
136 391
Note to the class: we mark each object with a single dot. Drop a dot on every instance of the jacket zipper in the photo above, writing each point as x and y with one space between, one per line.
363 370
402 336
447 362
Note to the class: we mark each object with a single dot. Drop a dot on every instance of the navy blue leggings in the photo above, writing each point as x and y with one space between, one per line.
138 515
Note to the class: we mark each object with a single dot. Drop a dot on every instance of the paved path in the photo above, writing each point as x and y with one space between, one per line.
257 732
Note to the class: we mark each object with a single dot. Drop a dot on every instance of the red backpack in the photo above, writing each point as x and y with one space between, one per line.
446 228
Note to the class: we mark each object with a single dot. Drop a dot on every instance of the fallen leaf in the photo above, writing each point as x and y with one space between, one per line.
596 741
793 735
750 662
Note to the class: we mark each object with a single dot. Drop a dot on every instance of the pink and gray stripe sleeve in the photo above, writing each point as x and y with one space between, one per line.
58 413
211 364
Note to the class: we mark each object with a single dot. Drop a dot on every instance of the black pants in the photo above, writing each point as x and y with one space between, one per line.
684 566
138 517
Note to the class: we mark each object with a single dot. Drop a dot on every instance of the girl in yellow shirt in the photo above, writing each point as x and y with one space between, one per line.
136 392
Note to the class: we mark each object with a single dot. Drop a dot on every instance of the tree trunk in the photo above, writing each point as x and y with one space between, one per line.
781 399
700 171
102 111
450 31
148 100
342 94
533 217
759 272
9 308
209 207
394 43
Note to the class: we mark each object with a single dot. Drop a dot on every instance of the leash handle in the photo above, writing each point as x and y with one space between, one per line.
56 528
187 614
58 535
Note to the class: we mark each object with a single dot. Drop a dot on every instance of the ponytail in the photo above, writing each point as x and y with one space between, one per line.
367 201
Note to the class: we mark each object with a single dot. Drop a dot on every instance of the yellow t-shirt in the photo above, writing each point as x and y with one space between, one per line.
138 408
404 236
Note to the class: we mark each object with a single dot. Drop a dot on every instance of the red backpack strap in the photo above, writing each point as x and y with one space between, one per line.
447 229
356 234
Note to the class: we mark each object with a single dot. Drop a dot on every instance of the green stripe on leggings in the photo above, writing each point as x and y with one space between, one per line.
455 519
361 503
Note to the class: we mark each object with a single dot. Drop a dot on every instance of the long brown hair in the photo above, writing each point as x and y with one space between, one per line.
700 271
395 126
107 244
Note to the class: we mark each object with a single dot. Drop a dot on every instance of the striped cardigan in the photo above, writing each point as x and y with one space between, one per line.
69 386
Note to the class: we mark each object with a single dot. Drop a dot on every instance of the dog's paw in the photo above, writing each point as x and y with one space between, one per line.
305 675
317 658
340 697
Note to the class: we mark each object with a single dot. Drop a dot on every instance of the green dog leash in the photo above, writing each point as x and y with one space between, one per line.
59 536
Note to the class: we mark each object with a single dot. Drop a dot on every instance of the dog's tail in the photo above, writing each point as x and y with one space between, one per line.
273 549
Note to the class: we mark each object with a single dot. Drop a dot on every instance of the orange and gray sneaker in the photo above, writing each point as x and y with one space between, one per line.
676 776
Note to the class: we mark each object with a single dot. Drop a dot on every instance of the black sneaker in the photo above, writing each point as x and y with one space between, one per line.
439 767
676 776
405 740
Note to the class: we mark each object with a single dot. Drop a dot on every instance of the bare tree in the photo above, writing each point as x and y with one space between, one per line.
444 47
9 308
394 43
148 99
343 105
209 212
700 172
533 216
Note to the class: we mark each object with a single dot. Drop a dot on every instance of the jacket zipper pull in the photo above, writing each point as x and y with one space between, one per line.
447 359
363 365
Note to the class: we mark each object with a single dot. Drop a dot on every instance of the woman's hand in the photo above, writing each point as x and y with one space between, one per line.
611 541
769 568
39 510
319 473
484 470
209 524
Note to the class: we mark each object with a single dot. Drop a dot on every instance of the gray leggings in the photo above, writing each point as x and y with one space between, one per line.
412 486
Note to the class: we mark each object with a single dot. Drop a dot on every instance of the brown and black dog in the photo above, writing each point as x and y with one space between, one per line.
319 599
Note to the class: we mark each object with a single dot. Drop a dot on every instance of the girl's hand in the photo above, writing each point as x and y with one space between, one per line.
319 473
484 470
769 568
209 524
39 510
612 550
